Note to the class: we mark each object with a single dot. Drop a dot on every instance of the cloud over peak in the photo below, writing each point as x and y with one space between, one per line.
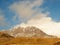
31 12
26 9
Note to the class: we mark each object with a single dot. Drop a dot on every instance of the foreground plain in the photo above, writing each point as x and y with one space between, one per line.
30 41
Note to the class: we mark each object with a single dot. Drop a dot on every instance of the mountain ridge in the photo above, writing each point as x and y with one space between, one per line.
29 31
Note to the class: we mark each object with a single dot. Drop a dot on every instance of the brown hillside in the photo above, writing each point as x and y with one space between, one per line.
32 41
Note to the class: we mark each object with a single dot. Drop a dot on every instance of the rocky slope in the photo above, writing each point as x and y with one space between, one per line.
5 36
29 31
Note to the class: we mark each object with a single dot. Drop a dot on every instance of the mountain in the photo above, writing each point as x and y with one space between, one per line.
5 36
29 31
22 35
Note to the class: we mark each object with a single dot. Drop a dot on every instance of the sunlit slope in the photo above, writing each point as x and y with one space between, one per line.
31 41
29 31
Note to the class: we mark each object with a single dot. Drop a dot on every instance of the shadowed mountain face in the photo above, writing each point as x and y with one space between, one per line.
29 31
5 35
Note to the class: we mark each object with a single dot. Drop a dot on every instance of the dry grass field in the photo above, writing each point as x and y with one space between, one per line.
30 41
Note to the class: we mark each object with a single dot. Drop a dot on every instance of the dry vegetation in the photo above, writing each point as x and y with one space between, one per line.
29 41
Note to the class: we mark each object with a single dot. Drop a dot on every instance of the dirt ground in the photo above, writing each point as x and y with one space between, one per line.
30 41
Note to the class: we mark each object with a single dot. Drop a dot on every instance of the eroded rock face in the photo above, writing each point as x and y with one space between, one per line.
29 31
34 32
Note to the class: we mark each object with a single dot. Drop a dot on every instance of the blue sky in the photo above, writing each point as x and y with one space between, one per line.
53 6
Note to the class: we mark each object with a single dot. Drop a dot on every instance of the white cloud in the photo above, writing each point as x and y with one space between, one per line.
45 24
3 19
24 8
38 19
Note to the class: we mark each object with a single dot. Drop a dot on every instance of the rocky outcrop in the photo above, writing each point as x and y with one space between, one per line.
29 31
